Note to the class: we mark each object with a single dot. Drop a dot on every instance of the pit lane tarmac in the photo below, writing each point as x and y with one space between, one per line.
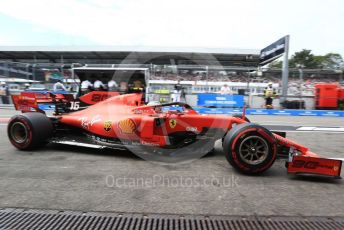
73 178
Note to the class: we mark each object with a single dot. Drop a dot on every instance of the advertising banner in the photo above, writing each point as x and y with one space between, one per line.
273 51
276 112
219 100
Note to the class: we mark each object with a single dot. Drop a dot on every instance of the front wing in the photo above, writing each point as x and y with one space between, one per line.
303 161
315 165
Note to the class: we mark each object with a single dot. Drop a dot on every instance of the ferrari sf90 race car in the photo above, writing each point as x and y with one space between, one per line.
168 133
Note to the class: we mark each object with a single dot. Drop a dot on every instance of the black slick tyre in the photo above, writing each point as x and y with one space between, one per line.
250 148
29 130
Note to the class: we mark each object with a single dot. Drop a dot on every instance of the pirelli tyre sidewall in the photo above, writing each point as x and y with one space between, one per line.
241 133
29 130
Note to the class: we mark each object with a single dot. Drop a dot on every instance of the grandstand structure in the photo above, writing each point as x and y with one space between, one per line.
207 68
139 55
34 62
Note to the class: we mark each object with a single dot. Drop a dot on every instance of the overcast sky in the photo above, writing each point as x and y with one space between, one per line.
253 24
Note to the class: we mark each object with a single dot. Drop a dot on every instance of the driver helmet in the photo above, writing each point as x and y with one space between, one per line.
153 103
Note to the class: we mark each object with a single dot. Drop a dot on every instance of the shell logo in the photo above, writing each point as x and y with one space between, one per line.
127 126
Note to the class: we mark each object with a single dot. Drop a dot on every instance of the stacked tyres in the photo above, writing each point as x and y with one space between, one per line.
250 148
29 130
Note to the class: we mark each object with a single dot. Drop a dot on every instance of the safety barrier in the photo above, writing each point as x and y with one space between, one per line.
277 112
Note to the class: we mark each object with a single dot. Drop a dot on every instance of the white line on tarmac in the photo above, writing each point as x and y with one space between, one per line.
295 131
310 128
295 123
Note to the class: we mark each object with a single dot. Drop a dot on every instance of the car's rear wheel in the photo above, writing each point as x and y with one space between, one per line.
250 148
29 130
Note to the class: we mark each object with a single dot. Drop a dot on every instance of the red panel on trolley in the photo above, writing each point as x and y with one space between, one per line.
326 96
341 93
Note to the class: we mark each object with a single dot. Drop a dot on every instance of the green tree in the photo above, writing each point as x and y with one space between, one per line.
332 61
304 58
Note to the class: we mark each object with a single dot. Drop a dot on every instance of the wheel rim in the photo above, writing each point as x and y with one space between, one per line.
253 150
19 132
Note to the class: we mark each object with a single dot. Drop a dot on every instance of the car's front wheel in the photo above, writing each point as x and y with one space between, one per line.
250 148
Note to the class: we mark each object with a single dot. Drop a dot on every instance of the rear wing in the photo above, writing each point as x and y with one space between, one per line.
61 103
30 101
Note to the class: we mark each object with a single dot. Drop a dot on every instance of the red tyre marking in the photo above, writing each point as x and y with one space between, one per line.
273 146
29 130
265 135
233 148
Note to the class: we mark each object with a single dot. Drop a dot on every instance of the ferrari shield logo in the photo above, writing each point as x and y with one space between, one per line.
172 123
107 126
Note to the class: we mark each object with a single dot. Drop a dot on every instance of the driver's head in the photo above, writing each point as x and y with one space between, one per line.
137 84
156 109
123 85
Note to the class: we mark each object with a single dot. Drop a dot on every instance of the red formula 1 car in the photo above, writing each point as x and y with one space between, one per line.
175 134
